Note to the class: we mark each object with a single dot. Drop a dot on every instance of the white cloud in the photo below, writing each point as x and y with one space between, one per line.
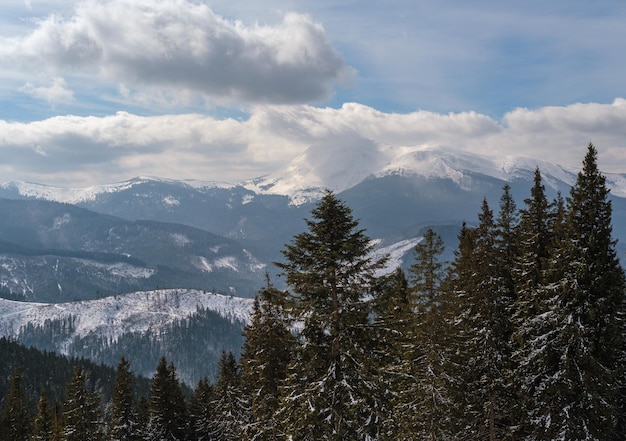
80 151
177 44
56 92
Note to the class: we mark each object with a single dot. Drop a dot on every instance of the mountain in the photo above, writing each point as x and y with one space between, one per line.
58 244
105 329
57 252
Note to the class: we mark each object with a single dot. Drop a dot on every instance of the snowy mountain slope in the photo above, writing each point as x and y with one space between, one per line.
114 316
76 196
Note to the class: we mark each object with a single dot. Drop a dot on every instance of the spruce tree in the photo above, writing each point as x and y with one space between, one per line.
392 319
43 425
15 420
589 314
266 353
332 390
81 410
202 415
231 413
533 312
168 410
486 328
123 423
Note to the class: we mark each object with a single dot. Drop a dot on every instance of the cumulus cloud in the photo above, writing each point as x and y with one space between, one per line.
178 44
56 92
80 151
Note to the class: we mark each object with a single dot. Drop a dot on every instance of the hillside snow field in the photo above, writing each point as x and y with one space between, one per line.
113 316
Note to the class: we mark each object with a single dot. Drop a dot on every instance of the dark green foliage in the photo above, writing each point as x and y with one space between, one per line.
15 421
266 354
168 410
201 413
44 423
423 386
229 405
484 302
82 414
123 420
332 390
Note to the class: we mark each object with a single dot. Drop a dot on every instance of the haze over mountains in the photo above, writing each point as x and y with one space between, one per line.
61 244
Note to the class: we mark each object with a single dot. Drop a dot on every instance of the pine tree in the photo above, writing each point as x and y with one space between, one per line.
43 426
231 414
589 313
332 388
15 421
81 410
266 354
168 410
123 424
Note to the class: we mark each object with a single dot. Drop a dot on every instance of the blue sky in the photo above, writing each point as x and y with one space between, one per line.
99 91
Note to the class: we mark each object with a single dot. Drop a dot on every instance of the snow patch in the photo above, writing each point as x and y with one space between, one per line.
113 316
180 239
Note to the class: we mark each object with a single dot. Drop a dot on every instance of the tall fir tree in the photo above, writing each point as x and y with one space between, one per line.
81 410
589 314
43 424
123 423
423 395
229 405
168 410
533 312
201 413
485 323
332 390
15 421
391 318
266 354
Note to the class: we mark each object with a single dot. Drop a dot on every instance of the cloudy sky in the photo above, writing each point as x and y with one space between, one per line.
99 91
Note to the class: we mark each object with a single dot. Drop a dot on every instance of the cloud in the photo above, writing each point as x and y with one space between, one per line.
57 92
81 151
177 44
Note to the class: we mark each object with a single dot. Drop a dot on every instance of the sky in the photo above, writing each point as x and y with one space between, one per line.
99 91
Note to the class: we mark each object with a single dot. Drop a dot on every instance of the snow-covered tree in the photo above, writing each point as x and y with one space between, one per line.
484 302
266 353
123 423
81 410
588 315
332 390
202 415
168 410
229 404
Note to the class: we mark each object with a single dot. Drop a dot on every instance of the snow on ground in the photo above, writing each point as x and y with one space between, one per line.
117 315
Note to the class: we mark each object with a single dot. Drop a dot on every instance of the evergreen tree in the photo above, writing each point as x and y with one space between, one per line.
231 414
589 314
43 426
123 424
15 421
332 390
424 393
202 415
168 410
392 319
485 323
81 410
266 353
533 311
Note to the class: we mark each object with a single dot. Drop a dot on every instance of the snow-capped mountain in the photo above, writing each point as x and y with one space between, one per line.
190 327
114 316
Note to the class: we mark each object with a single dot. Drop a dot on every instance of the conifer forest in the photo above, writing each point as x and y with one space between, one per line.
519 337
